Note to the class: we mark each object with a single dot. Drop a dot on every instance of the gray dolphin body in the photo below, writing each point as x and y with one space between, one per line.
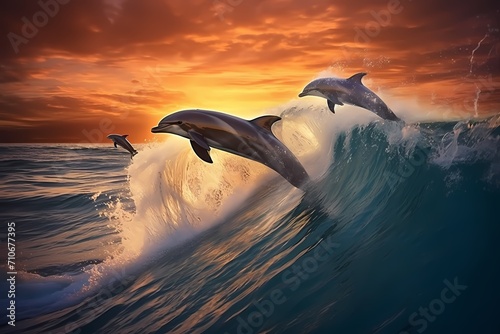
349 91
122 141
250 139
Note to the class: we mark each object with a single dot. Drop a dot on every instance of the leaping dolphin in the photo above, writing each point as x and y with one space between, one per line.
350 91
123 142
253 139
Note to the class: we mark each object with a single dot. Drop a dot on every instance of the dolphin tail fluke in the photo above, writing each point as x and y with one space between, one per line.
133 154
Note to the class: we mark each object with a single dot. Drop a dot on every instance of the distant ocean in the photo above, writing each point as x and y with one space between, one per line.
399 232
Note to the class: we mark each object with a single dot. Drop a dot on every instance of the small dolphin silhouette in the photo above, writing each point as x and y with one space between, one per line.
349 91
122 141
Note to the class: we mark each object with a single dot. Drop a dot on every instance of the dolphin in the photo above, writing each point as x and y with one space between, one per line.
349 91
123 142
252 139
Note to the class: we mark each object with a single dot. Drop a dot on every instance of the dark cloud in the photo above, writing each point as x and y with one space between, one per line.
83 27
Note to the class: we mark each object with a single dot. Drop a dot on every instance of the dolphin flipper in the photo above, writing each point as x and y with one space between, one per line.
201 152
331 106
115 145
332 100
199 139
265 122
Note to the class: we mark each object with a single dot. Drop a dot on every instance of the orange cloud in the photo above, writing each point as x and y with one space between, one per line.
128 63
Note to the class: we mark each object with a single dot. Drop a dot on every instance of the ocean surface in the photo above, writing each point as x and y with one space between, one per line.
398 232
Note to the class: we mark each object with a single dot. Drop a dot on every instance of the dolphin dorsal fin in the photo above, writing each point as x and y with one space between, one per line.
124 136
265 121
357 77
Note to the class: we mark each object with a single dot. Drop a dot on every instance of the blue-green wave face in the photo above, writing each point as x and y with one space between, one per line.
398 232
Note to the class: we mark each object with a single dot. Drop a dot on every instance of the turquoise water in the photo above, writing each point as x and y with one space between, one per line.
397 233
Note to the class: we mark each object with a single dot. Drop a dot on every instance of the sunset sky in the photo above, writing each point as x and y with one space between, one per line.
79 70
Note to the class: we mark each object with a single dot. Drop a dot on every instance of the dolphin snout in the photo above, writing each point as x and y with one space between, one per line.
304 93
164 126
156 129
160 128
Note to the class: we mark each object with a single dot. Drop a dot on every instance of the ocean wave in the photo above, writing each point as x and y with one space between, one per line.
360 166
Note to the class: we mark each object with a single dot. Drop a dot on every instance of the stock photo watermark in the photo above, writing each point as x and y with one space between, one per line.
292 278
121 280
30 28
105 125
420 319
11 273
379 19
408 167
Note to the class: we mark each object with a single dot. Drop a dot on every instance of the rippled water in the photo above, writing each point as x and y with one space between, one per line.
166 243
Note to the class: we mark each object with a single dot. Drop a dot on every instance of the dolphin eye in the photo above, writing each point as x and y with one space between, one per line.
179 122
